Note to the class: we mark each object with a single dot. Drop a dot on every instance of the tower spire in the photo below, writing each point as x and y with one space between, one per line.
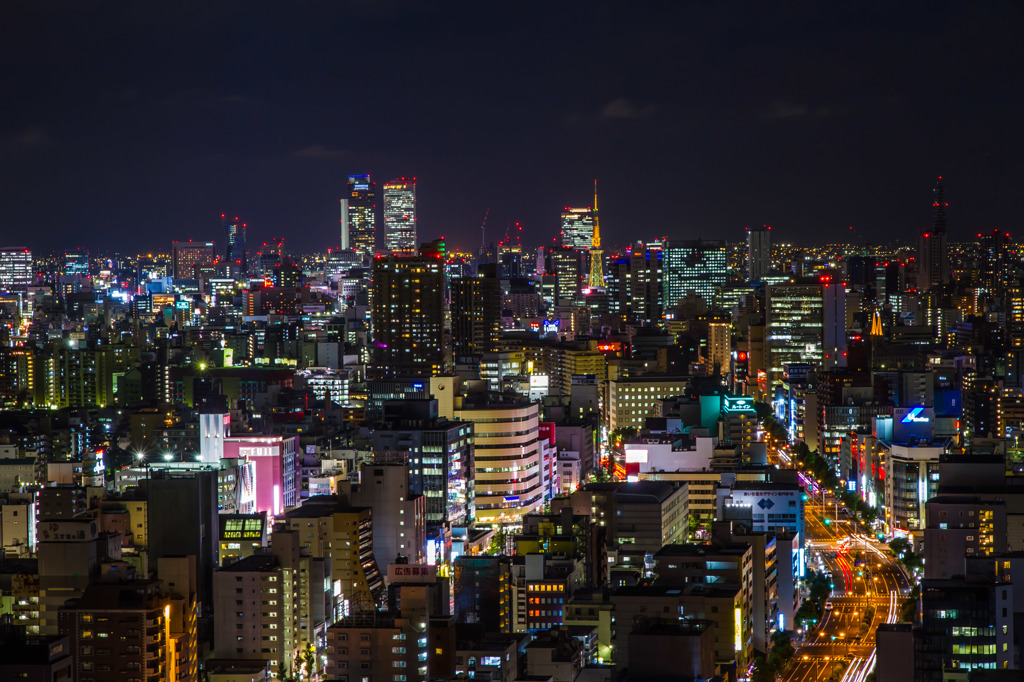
596 262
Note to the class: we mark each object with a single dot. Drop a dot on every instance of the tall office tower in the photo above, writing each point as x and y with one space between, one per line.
994 261
359 215
834 323
408 317
759 252
697 266
400 216
76 263
15 268
646 286
476 313
793 327
932 252
578 228
596 258
187 256
507 463
569 272
235 253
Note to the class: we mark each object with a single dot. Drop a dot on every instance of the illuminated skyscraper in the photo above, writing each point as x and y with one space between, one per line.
15 268
794 324
759 252
235 252
186 256
569 269
697 266
932 252
578 228
408 316
476 313
400 216
359 215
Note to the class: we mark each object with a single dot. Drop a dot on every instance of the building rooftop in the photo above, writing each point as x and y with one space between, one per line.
130 594
689 589
639 491
258 563
696 550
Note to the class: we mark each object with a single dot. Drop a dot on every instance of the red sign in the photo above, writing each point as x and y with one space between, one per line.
546 430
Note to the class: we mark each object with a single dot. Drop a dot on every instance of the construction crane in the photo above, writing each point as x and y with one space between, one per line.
483 237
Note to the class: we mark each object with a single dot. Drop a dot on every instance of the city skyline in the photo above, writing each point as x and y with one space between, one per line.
699 121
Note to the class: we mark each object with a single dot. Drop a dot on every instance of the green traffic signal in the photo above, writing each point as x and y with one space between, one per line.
828 522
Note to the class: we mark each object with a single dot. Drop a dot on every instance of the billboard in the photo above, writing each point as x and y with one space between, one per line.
242 526
411 573
912 423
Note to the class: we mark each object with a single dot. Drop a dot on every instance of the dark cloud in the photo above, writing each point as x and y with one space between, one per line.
621 107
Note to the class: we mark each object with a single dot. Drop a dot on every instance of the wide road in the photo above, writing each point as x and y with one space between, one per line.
867 581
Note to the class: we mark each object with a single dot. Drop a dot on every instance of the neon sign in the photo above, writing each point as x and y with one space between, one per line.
913 417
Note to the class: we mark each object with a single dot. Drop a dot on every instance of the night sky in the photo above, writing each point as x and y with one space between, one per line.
124 125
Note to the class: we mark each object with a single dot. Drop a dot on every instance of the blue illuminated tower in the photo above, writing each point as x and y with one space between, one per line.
235 252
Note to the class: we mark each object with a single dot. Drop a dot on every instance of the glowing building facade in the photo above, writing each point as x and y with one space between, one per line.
400 216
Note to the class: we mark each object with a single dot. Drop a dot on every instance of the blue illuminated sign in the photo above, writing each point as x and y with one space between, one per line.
913 417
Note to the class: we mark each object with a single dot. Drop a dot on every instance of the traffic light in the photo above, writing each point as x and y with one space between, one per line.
828 522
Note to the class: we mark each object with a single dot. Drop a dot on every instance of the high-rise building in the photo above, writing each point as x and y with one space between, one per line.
256 611
966 625
578 228
70 553
719 345
568 265
123 631
507 462
793 333
15 268
482 591
187 256
834 323
345 536
399 520
400 219
408 316
76 263
438 452
932 251
235 253
759 252
476 314
359 215
994 266
698 266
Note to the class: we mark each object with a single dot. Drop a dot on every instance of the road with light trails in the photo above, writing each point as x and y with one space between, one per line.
865 576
